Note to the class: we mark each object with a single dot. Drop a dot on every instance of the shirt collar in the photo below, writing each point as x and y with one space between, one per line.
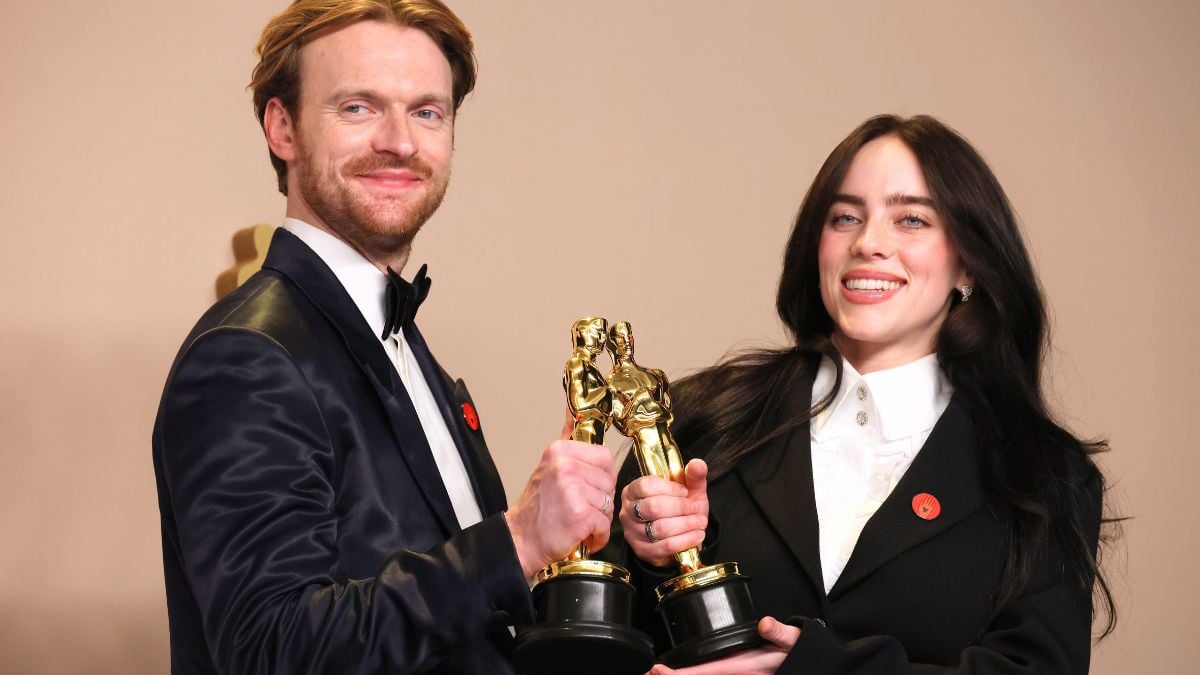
362 280
908 399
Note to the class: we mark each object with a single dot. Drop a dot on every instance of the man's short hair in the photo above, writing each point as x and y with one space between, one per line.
278 71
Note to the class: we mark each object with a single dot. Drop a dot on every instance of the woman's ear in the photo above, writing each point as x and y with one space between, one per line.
965 279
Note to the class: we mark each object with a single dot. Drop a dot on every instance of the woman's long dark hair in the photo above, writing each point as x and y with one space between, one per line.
991 349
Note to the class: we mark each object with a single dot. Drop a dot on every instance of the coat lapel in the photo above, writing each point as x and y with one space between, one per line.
948 468
292 258
489 486
779 479
453 400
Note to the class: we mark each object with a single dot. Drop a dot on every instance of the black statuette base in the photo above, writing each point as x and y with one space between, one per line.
710 621
583 629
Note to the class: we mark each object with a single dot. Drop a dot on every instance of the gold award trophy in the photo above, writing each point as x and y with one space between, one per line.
584 607
708 609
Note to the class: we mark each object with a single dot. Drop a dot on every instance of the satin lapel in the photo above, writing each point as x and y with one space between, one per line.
948 468
779 479
295 260
451 397
489 487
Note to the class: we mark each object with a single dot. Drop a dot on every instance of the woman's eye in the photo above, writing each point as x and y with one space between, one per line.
913 221
842 220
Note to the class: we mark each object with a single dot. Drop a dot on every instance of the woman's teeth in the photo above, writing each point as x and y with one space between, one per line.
871 285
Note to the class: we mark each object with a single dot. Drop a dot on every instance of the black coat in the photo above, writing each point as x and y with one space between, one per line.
916 595
305 525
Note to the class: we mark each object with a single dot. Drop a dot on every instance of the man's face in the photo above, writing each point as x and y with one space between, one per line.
374 135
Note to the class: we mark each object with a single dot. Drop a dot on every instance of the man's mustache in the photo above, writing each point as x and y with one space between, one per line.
374 163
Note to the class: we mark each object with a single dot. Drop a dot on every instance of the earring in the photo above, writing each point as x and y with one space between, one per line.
966 292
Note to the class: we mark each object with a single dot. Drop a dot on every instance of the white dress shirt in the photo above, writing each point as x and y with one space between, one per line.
864 442
367 286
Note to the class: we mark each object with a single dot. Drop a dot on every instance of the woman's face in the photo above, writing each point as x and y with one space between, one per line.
886 262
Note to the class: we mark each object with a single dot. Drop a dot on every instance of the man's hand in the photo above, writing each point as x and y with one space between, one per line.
676 514
763 660
567 500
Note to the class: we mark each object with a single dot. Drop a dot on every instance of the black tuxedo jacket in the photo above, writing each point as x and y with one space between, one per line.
305 525
916 595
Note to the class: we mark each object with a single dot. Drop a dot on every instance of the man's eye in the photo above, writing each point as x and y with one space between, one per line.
428 114
355 109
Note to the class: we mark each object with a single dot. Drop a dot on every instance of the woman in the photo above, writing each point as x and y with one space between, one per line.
894 481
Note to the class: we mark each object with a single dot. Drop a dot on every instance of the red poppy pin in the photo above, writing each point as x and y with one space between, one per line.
470 416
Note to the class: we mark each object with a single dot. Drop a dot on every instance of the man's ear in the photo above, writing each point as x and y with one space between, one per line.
280 130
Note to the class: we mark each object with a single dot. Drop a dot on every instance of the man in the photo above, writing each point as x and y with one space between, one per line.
328 503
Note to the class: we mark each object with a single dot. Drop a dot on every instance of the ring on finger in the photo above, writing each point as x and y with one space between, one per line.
637 512
650 532
606 504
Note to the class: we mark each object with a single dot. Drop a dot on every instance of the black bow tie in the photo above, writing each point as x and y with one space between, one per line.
402 300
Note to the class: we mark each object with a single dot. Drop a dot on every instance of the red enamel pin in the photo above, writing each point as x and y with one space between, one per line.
470 416
926 506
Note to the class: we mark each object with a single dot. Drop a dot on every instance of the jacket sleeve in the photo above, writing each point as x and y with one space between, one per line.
246 455
1046 629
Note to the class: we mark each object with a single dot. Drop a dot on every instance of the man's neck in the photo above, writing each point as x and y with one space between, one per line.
396 260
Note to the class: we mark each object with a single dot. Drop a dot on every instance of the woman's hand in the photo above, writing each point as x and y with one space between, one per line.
754 661
661 517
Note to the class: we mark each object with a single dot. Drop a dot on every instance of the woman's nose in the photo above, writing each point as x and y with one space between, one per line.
872 241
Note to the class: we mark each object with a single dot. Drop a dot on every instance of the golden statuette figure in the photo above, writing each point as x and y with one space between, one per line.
707 609
588 396
641 410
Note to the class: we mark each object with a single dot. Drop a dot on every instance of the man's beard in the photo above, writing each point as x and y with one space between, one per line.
382 227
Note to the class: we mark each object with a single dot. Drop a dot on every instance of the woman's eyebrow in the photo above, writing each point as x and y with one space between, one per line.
849 199
904 199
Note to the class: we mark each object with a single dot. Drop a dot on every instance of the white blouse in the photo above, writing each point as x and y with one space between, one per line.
864 442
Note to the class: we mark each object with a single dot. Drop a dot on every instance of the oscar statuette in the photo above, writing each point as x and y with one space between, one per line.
584 607
707 609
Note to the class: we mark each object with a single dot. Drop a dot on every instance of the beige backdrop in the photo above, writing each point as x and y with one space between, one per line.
681 133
